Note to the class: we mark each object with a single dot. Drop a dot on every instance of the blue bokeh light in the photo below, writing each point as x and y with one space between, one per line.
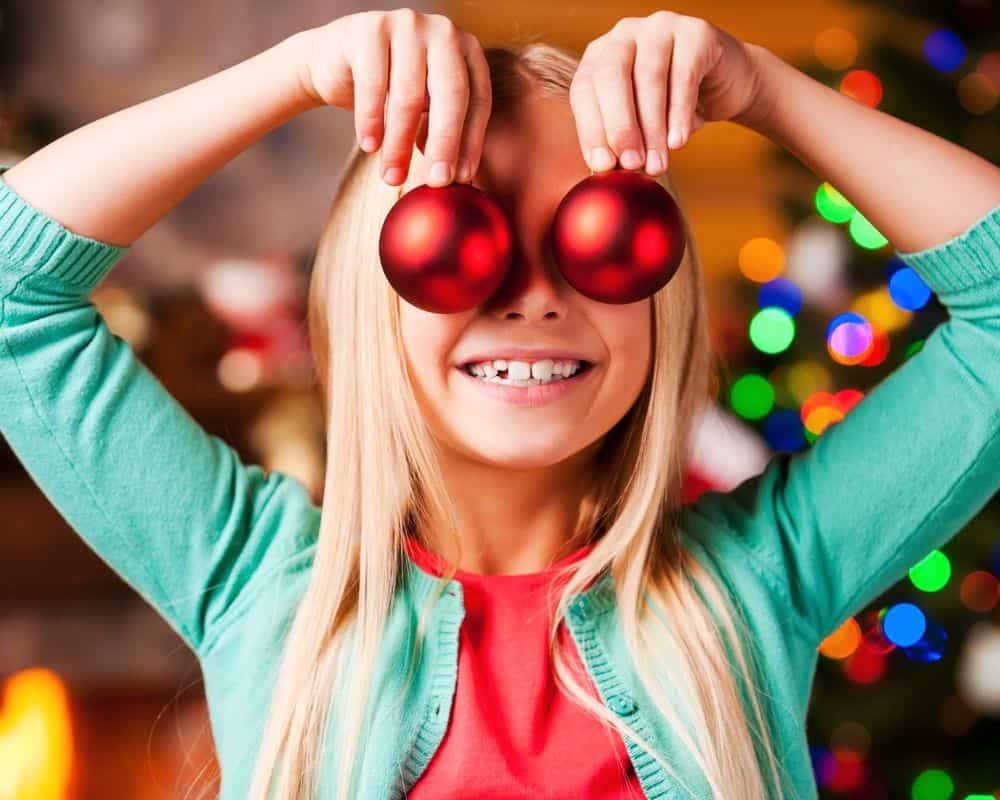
944 50
904 624
781 292
908 290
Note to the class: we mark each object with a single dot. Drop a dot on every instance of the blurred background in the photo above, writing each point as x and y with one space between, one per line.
809 310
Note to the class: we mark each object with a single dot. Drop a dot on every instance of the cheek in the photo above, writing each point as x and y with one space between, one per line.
429 342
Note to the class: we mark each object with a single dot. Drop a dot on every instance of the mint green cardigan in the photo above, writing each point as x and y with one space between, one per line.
223 550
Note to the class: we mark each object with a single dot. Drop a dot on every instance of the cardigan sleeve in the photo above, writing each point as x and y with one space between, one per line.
834 526
170 508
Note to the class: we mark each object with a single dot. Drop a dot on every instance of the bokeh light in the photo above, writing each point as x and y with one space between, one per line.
904 624
832 205
849 338
843 641
864 233
783 431
908 290
932 572
836 48
781 292
761 259
944 50
979 591
772 330
977 93
864 86
932 784
751 396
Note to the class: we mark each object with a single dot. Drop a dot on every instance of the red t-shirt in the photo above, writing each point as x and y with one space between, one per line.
512 733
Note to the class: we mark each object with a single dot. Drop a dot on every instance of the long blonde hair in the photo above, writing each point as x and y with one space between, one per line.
382 480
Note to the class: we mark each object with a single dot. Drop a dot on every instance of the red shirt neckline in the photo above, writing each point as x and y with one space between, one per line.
433 563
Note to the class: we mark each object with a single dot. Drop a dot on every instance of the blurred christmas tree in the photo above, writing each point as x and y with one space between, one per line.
906 701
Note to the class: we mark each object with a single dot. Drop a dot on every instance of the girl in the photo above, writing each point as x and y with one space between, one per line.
400 638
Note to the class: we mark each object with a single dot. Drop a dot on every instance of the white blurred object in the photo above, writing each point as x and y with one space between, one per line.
815 256
978 673
726 450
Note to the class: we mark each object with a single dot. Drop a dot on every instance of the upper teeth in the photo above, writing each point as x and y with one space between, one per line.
523 370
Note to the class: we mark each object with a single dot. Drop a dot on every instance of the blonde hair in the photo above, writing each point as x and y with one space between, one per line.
382 480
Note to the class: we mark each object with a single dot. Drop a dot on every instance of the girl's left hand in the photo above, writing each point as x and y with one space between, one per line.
619 94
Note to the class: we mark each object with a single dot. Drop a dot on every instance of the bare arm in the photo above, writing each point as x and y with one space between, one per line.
916 188
114 178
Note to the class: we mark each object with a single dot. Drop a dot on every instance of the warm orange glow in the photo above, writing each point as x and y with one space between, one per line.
36 742
843 641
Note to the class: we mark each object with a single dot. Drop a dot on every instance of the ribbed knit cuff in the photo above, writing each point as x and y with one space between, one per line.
33 242
972 258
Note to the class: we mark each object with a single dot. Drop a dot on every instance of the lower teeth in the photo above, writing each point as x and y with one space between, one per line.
518 382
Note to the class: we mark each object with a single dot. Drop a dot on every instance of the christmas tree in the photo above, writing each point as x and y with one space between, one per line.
906 700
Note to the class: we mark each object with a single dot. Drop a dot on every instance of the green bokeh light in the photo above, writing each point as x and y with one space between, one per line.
832 205
932 784
865 234
772 329
752 396
932 572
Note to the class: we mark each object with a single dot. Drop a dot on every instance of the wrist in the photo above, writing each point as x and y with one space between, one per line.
765 70
295 53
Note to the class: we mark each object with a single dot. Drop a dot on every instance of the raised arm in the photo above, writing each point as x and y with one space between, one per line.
835 526
170 508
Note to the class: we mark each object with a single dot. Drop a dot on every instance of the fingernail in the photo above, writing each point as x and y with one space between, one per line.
440 172
653 161
464 169
631 159
393 175
601 158
368 144
676 137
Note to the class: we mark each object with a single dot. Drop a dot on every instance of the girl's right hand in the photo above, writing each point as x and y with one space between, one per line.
386 65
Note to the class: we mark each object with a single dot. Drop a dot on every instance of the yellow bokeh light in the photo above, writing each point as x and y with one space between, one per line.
878 307
36 741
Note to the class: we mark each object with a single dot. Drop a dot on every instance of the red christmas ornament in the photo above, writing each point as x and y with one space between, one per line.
617 236
446 248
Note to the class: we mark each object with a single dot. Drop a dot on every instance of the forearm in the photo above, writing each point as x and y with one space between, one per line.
113 178
916 188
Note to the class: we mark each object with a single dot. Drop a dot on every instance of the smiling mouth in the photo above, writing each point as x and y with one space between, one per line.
502 379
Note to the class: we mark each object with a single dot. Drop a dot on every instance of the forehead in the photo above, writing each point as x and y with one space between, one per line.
534 149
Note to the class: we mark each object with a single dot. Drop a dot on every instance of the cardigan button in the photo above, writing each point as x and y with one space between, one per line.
621 704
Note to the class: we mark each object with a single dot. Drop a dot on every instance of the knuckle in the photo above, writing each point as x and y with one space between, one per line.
447 31
406 15
698 27
663 17
648 71
621 136
410 98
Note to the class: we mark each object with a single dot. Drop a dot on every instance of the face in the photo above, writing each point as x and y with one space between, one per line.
528 166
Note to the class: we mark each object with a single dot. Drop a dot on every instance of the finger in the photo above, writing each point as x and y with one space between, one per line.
685 78
480 107
448 87
616 97
370 74
652 63
407 95
589 124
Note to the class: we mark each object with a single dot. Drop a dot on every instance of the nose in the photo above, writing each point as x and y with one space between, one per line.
534 289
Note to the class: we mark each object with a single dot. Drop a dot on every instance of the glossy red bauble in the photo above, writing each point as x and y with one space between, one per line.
446 248
617 236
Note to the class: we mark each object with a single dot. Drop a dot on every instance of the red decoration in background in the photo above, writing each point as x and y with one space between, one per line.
617 236
446 248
